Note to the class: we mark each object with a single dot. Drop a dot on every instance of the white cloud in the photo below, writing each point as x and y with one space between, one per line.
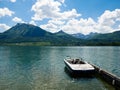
4 27
50 9
46 9
5 12
70 21
108 18
13 1
53 25
84 26
56 22
107 22
103 29
32 22
18 20
70 14
50 27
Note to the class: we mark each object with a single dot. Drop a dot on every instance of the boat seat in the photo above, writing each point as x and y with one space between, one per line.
81 62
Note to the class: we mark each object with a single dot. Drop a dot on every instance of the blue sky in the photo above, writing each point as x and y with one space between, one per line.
71 16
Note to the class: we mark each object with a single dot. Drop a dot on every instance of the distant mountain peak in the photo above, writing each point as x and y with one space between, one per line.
82 36
61 33
19 24
25 30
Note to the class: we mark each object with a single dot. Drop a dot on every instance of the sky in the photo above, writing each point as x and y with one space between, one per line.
71 16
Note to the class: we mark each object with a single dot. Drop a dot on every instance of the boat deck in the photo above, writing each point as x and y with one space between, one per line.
77 64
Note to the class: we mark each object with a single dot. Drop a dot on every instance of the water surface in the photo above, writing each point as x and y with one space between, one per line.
42 68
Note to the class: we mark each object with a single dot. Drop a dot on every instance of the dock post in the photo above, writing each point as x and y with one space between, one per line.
113 82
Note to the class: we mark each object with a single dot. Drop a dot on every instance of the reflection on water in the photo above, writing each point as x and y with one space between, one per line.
42 68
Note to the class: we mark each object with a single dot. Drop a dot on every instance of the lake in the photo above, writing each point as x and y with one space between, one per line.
42 67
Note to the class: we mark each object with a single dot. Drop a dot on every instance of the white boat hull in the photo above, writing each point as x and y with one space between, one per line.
80 69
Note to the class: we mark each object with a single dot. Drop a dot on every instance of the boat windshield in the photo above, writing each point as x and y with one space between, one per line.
76 61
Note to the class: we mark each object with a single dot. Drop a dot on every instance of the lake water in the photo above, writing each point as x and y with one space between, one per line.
42 68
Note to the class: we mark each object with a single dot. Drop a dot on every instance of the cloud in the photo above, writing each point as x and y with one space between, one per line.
56 22
84 26
50 27
12 1
71 21
5 12
65 20
70 26
17 20
70 14
32 22
50 9
53 25
109 18
109 21
4 27
46 9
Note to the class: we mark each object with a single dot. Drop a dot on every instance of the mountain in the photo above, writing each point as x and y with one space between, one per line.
105 39
82 36
97 39
115 36
24 33
29 33
67 38
25 30
61 33
64 35
91 35
79 35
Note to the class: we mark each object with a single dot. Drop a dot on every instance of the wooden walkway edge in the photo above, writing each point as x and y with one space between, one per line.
108 77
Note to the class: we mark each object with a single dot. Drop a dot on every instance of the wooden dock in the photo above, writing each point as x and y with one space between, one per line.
108 77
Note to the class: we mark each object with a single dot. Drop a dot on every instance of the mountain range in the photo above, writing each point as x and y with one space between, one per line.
29 34
82 36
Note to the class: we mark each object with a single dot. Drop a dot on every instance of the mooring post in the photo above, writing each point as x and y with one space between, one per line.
113 82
